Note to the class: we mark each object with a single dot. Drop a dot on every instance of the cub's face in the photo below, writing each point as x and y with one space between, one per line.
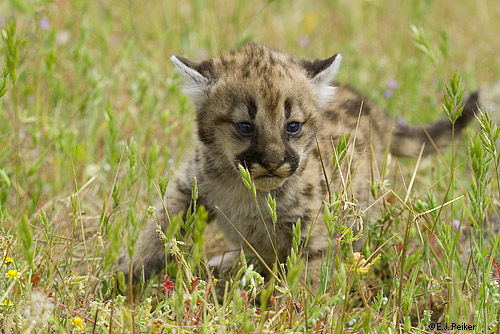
258 108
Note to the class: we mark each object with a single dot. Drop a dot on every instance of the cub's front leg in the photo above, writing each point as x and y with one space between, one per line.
149 255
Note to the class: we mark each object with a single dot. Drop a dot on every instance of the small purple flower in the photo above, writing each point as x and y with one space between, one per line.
388 93
44 23
304 41
2 21
31 97
456 224
392 84
401 121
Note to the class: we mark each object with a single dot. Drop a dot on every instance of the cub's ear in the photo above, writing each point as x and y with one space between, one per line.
198 77
321 73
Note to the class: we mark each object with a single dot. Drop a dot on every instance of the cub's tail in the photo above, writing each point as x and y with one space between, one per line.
407 140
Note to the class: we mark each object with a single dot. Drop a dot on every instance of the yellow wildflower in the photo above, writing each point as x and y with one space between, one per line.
12 274
8 260
7 303
78 323
310 23
361 265
156 325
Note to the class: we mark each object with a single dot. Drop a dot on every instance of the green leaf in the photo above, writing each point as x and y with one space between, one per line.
245 176
4 178
271 207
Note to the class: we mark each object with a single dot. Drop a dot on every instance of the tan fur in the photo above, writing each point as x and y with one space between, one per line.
269 89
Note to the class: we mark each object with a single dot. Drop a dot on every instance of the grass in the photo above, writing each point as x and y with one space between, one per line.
92 122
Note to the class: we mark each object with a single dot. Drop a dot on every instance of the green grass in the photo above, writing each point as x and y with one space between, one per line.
92 119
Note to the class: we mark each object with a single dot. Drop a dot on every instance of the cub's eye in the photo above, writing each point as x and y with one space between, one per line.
293 128
244 128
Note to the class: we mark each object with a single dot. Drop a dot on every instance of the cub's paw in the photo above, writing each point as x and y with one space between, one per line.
224 262
143 268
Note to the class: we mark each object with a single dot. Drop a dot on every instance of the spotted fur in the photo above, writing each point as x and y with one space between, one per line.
248 105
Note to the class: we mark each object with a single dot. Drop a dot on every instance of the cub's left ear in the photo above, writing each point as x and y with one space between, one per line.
321 73
198 77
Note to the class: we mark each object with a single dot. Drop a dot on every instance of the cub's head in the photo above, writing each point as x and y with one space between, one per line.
259 108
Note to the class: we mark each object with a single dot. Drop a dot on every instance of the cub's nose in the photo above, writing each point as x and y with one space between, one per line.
272 164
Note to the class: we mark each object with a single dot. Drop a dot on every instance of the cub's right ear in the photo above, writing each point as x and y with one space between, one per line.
198 77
